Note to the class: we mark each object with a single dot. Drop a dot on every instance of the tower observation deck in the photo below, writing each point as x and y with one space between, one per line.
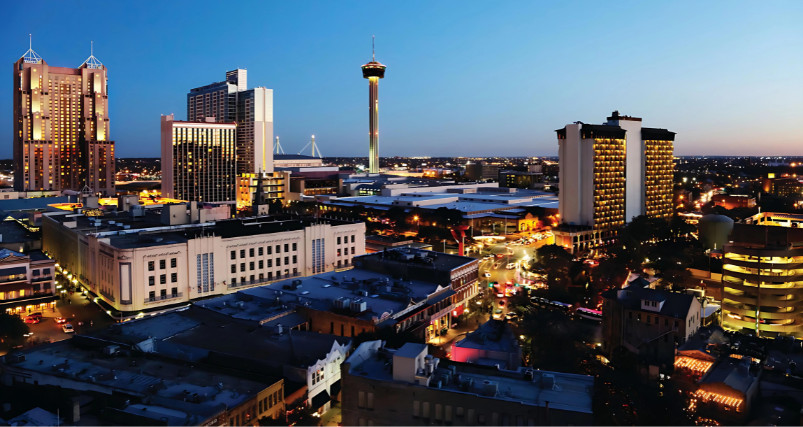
373 71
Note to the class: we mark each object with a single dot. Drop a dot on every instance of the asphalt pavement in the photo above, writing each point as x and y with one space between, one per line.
79 311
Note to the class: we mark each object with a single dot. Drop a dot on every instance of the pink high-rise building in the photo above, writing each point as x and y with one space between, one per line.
61 127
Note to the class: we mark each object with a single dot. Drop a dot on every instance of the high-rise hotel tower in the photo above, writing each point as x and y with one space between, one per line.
61 127
231 101
609 174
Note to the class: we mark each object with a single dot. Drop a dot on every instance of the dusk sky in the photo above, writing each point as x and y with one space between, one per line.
463 79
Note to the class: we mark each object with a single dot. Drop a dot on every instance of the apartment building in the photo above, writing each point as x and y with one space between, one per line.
762 280
651 323
27 282
609 174
61 127
408 386
199 160
143 263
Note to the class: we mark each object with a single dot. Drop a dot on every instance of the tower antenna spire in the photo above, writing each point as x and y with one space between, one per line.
91 48
30 41
373 48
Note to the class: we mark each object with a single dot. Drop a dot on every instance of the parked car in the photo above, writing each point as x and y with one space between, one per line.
487 274
67 328
32 319
61 320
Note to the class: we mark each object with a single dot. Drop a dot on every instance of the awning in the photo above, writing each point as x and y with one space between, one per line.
12 271
335 388
321 399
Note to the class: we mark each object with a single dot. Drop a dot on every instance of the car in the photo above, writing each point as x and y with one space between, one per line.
32 319
488 257
497 314
500 255
67 328
500 295
61 320
511 266
487 274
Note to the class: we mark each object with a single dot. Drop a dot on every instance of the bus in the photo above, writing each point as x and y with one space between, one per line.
561 305
587 313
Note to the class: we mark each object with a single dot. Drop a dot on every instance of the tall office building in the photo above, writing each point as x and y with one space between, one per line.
231 101
61 127
609 174
373 71
199 160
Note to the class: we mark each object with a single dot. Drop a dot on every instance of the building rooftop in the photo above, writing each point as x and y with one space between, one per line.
674 304
126 232
493 335
281 157
266 303
732 372
566 392
168 383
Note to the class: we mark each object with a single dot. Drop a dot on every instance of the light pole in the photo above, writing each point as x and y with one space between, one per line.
417 224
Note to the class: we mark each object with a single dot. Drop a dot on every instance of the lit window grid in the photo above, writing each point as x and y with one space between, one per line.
609 183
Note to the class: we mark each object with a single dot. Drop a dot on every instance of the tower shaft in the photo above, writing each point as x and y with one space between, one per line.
373 124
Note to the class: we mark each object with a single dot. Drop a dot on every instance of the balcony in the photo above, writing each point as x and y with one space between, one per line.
160 298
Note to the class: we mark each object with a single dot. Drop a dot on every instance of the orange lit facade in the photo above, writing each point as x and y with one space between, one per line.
659 170
609 183
61 127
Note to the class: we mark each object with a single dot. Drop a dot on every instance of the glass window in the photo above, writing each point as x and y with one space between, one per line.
233 254
151 266
173 277
286 260
242 266
260 251
261 264
234 268
162 264
278 262
173 263
270 263
251 265
295 246
286 247
278 249
151 280
338 240
270 250
352 238
251 252
174 291
242 253
162 279
295 259
152 295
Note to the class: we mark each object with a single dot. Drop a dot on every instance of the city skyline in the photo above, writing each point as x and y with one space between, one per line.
713 73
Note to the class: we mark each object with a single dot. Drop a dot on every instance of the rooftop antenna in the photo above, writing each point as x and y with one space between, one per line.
278 147
373 48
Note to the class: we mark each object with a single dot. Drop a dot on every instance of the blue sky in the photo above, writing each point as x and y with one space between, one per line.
470 78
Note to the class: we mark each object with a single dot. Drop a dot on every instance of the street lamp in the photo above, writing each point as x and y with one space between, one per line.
417 224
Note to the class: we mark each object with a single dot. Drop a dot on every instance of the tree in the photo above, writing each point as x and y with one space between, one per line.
555 261
12 329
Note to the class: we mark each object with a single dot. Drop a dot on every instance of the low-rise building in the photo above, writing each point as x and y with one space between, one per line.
481 171
142 260
383 386
520 179
733 202
403 289
27 282
492 344
151 390
648 322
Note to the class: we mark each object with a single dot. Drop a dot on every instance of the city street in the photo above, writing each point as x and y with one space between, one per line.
77 309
